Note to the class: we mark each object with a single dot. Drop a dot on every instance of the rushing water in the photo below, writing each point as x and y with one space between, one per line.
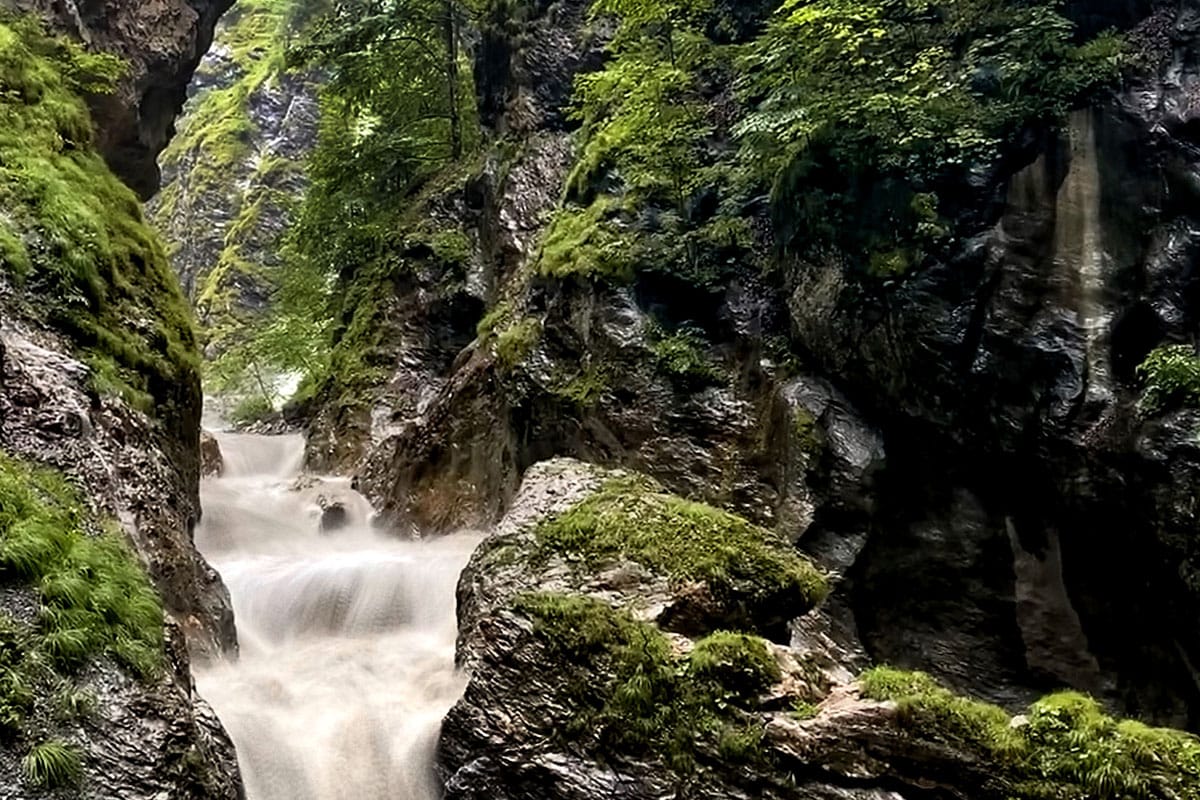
347 638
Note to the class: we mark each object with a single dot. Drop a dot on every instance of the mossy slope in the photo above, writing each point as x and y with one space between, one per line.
92 601
1064 746
72 236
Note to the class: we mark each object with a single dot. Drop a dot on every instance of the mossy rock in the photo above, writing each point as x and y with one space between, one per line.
747 577
634 696
1063 746
72 235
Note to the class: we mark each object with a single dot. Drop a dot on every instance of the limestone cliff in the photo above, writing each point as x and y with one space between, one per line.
961 448
99 416
234 175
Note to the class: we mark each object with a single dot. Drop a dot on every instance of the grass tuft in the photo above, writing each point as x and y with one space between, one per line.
53 765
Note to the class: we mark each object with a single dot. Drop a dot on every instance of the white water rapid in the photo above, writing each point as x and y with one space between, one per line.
347 637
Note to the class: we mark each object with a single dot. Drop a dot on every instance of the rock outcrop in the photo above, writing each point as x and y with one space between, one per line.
99 385
162 42
585 684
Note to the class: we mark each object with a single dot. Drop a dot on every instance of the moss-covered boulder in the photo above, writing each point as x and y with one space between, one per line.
582 685
621 629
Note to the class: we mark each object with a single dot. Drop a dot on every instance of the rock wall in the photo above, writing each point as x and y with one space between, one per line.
162 42
962 450
100 383
235 173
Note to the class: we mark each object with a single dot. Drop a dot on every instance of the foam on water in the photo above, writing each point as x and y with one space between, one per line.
347 639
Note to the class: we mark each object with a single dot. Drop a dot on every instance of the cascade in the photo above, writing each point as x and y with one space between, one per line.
347 637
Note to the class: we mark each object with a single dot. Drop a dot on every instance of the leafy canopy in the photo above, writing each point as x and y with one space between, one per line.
865 111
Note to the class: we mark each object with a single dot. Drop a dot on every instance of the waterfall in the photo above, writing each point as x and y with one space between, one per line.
1079 250
347 637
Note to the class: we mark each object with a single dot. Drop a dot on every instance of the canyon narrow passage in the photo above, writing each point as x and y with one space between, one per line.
347 636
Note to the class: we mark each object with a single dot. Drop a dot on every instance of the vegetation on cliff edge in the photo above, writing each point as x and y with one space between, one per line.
1063 746
72 235
90 599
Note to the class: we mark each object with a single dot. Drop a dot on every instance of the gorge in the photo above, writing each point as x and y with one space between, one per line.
607 398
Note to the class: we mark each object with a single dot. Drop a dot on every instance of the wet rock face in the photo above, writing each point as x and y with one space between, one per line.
1005 386
145 740
163 41
962 449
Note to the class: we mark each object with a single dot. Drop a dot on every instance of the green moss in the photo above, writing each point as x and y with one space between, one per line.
631 694
493 319
631 518
93 601
802 709
98 271
53 765
451 247
587 242
805 432
1066 747
14 256
736 662
584 388
681 354
516 341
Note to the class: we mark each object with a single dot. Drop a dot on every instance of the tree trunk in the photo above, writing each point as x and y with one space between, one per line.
450 32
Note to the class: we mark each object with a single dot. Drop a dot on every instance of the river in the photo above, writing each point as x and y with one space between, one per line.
347 637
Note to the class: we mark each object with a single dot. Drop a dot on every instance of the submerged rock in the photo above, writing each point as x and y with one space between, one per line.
212 464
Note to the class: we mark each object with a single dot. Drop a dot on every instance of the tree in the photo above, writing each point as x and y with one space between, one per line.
863 108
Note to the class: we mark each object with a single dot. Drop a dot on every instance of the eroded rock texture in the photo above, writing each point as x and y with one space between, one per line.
962 447
162 41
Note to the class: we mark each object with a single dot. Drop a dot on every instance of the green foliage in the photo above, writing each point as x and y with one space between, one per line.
95 597
631 518
1065 747
1172 375
451 246
53 765
642 113
251 409
631 695
215 147
589 242
802 709
584 388
73 234
516 341
864 109
398 120
681 354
